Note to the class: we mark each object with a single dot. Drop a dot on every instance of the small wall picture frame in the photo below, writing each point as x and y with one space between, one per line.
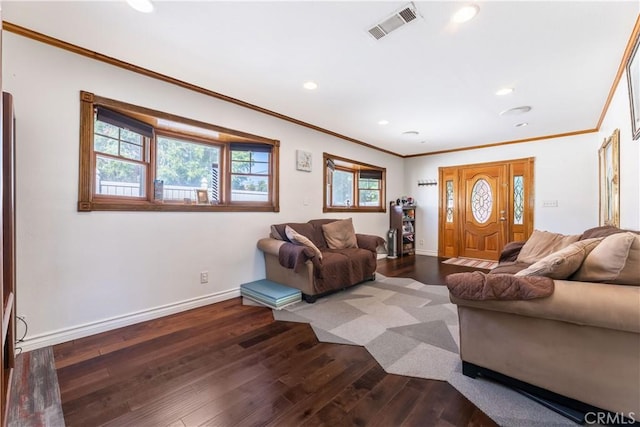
303 160
202 197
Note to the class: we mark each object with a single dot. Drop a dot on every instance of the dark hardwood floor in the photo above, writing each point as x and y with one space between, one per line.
426 269
228 364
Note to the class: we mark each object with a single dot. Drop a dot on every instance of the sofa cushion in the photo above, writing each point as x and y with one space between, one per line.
317 225
542 243
608 260
299 239
630 274
563 263
345 267
340 234
510 267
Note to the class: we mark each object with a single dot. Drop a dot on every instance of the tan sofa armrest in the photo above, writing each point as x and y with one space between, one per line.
369 242
593 304
270 246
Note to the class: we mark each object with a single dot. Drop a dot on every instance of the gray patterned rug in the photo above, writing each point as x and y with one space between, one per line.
412 329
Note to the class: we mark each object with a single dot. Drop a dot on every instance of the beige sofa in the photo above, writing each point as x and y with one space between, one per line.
579 347
319 256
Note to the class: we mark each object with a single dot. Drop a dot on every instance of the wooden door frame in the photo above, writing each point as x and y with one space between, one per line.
515 167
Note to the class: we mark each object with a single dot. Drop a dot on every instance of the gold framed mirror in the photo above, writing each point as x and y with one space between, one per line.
609 155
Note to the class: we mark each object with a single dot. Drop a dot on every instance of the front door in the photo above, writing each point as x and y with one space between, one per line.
484 206
483 211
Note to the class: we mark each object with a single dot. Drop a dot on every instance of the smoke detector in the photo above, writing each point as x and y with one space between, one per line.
403 16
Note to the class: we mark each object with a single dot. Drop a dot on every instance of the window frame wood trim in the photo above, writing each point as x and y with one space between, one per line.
89 201
354 208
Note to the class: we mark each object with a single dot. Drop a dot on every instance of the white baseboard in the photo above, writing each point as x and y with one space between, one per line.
68 334
426 252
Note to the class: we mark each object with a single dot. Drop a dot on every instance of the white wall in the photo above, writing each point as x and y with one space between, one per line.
566 170
78 273
619 117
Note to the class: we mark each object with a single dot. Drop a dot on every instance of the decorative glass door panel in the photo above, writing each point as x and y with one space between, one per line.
481 200
518 200
450 203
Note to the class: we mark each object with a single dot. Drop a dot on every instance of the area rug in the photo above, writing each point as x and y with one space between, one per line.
472 262
412 329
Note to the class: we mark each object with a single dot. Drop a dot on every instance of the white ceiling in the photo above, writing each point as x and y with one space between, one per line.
429 76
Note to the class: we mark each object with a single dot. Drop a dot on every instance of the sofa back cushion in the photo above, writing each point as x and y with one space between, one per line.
340 234
615 260
601 231
317 225
543 243
563 263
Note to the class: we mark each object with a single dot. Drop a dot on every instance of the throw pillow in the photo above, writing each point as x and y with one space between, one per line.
563 263
340 234
299 239
543 243
630 273
607 260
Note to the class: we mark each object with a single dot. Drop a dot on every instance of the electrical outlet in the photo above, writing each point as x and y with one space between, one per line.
204 277
421 242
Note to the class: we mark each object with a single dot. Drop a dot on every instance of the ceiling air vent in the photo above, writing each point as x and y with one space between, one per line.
405 15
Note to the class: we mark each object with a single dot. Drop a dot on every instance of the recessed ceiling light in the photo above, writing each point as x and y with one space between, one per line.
504 91
144 6
383 122
411 133
465 13
310 85
515 111
520 125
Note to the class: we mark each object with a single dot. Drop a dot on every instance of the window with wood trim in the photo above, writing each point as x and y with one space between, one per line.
137 159
351 186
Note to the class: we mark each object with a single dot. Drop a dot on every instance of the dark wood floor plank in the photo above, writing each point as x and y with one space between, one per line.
265 413
171 352
106 342
426 269
352 394
229 364
320 397
398 408
376 400
221 372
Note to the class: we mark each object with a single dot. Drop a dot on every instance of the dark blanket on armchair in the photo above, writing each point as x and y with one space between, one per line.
477 285
294 256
